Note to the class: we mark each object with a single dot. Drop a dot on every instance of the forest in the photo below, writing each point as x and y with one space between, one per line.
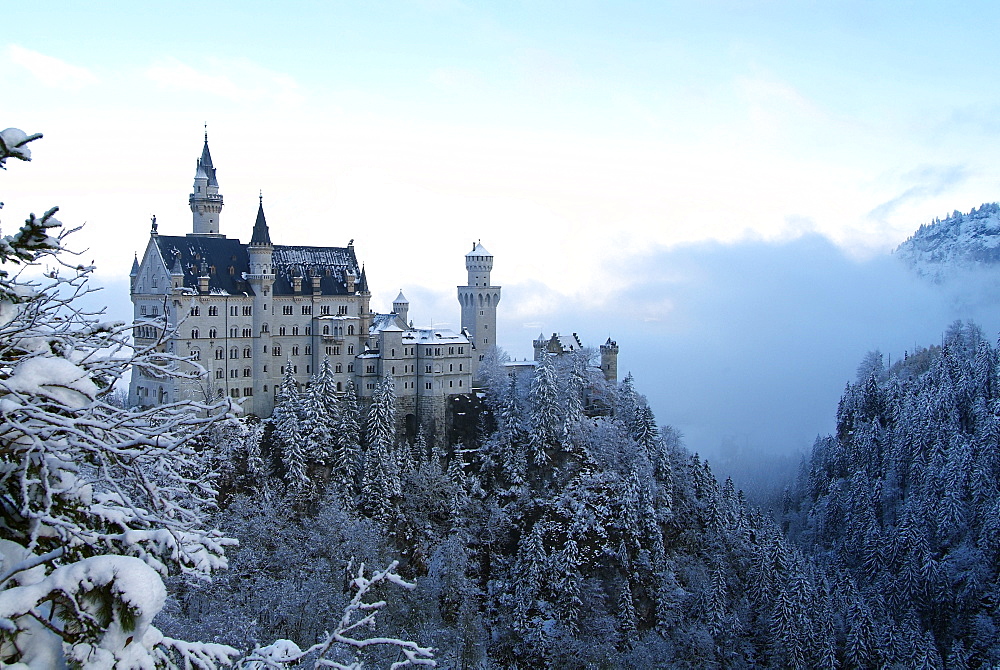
570 529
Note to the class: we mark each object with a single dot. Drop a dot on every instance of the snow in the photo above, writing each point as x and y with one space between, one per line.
55 378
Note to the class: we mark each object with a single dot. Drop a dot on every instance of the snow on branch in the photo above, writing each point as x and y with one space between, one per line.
358 614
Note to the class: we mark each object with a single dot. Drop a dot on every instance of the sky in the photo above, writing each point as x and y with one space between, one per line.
714 185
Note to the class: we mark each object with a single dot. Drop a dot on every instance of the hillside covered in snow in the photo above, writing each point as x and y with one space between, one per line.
961 242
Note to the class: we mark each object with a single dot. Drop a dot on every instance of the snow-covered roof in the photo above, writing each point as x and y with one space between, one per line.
479 250
400 298
434 335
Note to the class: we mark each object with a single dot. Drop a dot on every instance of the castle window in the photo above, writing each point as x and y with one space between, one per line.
247 353
234 373
219 354
281 330
232 270
213 310
308 350
308 369
370 369
459 383
308 331
329 350
220 373
196 354
427 386
427 368
307 309
437 351
247 372
459 367
326 330
194 333
451 351
461 350
196 311
451 367
233 331
142 310
265 367
276 351
154 282
247 332
295 351
350 367
336 351
155 310
393 369
235 393
338 368
212 333
451 384
265 388
325 312
234 353
211 270
350 330
350 349
295 330
342 310
247 391
286 309
339 387
234 311
248 310
295 371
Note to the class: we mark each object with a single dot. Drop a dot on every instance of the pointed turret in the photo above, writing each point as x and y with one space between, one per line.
134 272
261 236
260 251
205 200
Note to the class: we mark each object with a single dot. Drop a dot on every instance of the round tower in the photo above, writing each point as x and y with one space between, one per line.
479 303
609 360
260 254
205 200
401 307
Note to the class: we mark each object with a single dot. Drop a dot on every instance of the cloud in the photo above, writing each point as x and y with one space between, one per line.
751 344
239 80
929 181
51 71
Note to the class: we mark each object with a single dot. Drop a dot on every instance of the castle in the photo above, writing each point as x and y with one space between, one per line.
247 314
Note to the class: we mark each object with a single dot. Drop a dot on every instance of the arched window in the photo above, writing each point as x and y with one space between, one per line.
219 354
212 333
281 330
247 353
326 330
234 352
350 330
194 333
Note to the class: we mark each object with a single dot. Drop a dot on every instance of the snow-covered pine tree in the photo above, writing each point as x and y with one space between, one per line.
381 485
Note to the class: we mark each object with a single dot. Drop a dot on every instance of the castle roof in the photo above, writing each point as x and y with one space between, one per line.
205 163
228 262
400 299
478 250
260 236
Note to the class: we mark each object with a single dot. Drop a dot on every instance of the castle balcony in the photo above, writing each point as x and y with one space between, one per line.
211 197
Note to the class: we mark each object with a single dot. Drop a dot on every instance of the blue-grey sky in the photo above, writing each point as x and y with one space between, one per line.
579 141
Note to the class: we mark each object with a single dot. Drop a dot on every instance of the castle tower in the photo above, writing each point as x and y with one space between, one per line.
261 278
609 360
401 306
479 303
205 201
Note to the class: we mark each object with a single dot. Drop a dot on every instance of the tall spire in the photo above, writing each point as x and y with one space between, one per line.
205 200
260 236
